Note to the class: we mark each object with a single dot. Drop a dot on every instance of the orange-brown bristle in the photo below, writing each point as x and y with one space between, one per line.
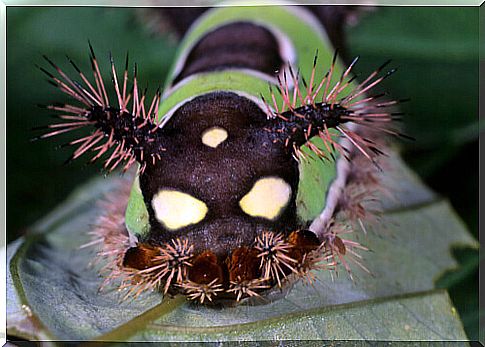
340 245
341 249
205 269
304 239
140 257
309 253
243 264
205 278
245 273
303 242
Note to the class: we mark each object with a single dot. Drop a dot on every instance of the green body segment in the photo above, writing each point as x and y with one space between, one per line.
315 175
136 216
304 37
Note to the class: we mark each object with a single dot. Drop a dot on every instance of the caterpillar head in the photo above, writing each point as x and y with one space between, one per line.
219 180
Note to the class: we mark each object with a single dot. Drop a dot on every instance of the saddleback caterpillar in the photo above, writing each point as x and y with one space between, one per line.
214 209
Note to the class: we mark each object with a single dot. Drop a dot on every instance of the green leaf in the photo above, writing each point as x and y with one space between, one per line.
421 316
410 250
55 275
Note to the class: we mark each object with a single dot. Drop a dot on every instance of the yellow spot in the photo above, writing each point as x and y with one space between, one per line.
175 209
267 198
214 136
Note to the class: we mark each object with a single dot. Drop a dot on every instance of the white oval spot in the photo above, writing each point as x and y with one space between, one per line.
214 136
266 198
175 209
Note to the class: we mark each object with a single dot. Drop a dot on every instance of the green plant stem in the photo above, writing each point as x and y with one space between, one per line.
123 332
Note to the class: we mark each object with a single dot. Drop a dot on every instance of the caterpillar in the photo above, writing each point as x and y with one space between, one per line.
218 210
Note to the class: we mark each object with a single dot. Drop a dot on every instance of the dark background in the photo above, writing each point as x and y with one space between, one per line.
436 50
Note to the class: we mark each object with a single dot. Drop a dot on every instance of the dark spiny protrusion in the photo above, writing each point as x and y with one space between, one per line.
133 135
295 125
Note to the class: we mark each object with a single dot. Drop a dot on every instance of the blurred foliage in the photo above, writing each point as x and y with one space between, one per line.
437 53
436 50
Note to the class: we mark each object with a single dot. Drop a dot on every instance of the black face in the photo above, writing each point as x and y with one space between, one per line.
221 176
